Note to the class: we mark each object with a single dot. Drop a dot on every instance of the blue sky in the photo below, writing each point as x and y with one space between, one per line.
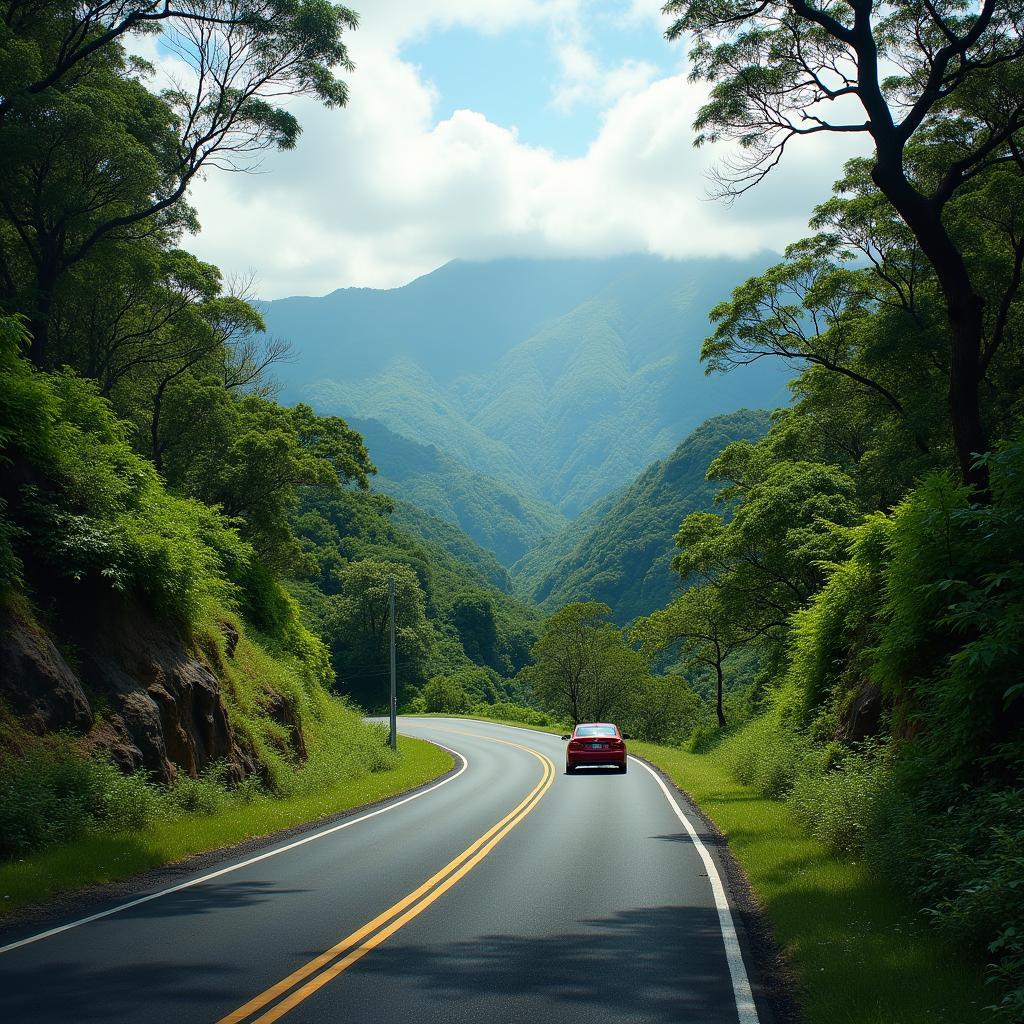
513 77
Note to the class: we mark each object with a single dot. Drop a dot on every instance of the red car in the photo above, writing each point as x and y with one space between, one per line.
595 743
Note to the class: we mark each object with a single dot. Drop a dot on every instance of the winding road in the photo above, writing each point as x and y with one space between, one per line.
507 891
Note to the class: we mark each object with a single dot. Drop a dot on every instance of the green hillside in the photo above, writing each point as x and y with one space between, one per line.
451 617
505 519
552 550
562 401
450 538
619 550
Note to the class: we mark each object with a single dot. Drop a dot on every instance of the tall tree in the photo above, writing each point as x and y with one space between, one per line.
361 632
582 664
699 626
89 157
932 74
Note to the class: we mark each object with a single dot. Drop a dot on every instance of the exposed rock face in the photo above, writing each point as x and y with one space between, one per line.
159 706
166 707
36 683
862 717
282 712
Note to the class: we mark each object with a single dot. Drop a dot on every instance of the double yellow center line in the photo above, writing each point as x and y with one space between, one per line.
277 1000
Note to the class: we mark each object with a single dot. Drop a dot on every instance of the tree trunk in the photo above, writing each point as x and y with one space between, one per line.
964 387
39 322
156 448
39 329
718 704
964 308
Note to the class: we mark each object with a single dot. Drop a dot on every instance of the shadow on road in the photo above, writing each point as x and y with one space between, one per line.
112 989
61 991
655 964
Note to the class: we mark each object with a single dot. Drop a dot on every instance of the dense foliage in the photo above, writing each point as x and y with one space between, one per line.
866 553
450 615
147 466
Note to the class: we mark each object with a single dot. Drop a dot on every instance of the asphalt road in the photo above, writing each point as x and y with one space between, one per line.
508 892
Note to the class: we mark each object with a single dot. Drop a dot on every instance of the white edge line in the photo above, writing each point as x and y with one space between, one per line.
242 864
745 1007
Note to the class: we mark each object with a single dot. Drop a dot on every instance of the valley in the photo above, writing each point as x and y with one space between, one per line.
575 377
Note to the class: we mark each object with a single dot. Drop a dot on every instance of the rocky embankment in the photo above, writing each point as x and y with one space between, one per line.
129 686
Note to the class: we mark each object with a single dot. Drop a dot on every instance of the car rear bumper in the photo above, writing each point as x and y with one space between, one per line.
583 758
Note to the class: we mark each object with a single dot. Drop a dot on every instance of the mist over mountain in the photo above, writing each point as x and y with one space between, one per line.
561 379
488 511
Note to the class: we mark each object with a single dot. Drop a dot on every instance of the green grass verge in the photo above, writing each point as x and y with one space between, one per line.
109 857
860 953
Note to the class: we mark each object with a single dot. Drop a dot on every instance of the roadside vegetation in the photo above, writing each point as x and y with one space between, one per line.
860 952
88 824
186 565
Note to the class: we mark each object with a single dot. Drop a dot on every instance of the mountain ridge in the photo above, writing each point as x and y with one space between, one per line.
560 379
500 519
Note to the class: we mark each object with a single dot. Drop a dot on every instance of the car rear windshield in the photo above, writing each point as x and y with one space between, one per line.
595 730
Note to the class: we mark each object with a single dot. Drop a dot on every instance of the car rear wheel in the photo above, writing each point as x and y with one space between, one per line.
569 769
622 768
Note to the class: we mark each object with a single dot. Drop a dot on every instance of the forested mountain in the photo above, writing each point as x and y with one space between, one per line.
495 515
454 612
562 379
619 551
468 554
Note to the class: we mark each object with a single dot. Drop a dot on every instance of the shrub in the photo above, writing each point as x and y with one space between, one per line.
54 794
444 695
45 799
509 712
663 709
963 861
124 803
834 634
839 806
705 738
342 746
207 794
768 757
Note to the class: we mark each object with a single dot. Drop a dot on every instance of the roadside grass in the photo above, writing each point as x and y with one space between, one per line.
859 951
101 857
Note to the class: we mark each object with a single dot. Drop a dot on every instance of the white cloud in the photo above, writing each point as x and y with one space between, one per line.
378 193
584 80
640 11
